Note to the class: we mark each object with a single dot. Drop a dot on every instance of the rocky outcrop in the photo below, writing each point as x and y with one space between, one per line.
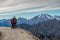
16 34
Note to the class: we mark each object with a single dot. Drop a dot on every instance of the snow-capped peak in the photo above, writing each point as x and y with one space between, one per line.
43 17
46 16
57 17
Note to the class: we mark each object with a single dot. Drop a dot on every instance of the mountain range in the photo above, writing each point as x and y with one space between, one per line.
47 27
41 24
34 20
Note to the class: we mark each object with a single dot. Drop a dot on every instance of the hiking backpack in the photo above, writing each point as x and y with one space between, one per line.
12 21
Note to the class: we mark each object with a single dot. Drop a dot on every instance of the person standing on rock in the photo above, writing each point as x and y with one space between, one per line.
13 22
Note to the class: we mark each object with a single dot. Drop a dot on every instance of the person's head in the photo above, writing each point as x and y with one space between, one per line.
14 17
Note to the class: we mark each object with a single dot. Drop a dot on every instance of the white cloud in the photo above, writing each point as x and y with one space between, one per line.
10 5
32 10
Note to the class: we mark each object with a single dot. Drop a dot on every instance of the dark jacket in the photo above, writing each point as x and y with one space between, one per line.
15 20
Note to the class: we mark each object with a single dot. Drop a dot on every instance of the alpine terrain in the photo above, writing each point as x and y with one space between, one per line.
6 33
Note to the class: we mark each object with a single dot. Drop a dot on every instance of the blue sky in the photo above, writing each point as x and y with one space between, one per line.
29 15
28 8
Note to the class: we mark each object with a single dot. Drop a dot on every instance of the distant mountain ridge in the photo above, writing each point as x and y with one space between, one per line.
41 18
34 20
